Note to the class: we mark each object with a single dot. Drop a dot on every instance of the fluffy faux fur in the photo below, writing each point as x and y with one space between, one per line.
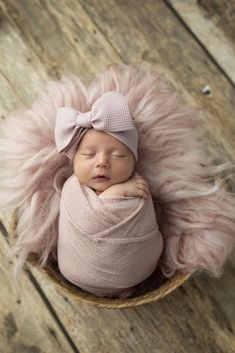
196 214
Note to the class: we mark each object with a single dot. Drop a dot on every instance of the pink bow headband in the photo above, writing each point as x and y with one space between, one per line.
110 113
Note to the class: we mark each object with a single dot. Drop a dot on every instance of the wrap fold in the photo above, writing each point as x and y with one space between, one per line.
106 244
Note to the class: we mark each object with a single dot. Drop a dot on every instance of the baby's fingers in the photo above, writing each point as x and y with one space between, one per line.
142 186
143 194
142 182
143 191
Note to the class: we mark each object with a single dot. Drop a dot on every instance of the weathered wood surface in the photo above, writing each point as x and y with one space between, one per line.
26 323
40 40
213 24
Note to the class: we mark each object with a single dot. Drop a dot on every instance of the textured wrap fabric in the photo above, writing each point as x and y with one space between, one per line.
106 244
110 113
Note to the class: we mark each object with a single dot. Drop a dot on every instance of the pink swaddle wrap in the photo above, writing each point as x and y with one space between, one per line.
106 244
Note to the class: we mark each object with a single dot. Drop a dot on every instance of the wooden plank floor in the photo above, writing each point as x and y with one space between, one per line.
192 42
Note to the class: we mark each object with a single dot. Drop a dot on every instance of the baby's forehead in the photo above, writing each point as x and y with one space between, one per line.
94 138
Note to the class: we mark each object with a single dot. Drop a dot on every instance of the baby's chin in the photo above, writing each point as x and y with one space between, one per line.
101 186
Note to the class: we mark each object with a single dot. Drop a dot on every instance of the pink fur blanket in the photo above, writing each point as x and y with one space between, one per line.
197 218
106 244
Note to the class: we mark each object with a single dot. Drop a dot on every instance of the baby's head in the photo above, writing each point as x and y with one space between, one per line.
102 141
100 154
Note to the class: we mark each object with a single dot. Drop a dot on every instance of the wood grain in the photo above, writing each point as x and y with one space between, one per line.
189 320
213 24
26 324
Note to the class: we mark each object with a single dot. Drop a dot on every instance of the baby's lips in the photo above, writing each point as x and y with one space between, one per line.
101 175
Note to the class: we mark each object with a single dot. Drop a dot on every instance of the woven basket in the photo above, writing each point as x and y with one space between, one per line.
56 277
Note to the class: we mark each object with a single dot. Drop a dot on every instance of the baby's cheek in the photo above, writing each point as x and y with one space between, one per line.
124 173
80 170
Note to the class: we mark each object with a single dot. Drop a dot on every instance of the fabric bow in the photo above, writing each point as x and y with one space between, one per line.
110 113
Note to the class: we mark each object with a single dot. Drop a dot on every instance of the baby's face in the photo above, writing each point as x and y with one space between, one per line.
101 154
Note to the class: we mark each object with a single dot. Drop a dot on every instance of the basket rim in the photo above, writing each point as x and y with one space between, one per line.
103 302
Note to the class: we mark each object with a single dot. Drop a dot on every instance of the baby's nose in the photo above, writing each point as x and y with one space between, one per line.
102 161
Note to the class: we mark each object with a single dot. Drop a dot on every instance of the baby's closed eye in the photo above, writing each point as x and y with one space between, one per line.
88 153
118 155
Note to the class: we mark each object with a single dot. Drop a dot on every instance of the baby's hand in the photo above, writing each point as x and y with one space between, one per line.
135 186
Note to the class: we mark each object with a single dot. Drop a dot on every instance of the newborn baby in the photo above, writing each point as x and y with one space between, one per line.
108 239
